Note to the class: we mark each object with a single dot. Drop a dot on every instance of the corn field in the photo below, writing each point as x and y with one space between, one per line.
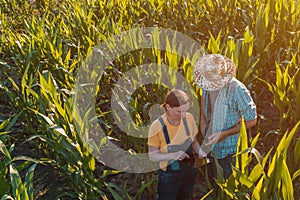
46 151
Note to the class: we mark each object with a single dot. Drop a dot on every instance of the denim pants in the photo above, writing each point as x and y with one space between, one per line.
176 184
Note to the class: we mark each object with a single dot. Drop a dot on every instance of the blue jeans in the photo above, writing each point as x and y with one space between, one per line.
176 185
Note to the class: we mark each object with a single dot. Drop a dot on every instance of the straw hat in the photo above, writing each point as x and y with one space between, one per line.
213 71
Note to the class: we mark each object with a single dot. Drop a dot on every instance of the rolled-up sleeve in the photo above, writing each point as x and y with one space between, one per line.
245 103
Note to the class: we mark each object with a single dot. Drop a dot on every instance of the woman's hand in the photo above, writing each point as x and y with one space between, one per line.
156 155
180 155
201 153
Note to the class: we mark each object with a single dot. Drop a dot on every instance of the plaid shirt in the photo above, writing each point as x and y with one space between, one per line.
239 103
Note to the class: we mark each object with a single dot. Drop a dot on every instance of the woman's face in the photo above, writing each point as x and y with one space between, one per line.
178 112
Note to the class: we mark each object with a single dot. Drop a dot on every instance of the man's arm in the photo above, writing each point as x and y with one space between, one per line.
202 117
217 137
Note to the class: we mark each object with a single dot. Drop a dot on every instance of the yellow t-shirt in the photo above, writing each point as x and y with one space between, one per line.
177 134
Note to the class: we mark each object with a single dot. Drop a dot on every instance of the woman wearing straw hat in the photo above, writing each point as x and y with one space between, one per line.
225 100
171 141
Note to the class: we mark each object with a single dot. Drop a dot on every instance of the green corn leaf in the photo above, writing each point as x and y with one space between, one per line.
214 43
243 178
143 187
67 57
258 191
47 119
7 197
92 164
290 137
242 159
15 86
286 78
25 158
297 152
4 133
257 155
29 181
51 124
28 59
258 169
24 81
156 41
4 150
13 121
275 174
109 172
4 123
228 190
266 158
296 174
48 87
110 187
206 195
41 137
286 140
254 151
93 147
293 83
256 173
18 189
170 56
254 140
60 109
281 146
287 185
269 85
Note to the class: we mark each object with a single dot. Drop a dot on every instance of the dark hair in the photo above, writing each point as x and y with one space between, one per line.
175 98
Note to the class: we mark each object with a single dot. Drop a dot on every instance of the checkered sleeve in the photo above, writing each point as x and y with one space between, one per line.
245 103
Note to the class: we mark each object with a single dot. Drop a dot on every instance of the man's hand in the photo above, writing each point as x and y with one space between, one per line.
215 138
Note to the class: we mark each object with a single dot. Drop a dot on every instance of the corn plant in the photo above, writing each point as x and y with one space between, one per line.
286 93
44 42
21 189
270 178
